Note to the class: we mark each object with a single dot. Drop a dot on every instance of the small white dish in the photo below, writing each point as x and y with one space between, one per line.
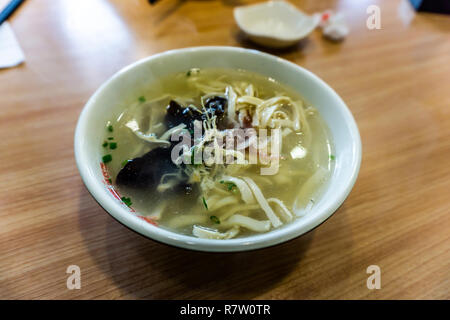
275 24
123 88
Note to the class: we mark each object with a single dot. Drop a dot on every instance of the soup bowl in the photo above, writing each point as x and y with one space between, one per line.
127 84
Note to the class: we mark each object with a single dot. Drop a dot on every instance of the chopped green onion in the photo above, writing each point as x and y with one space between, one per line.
142 99
107 158
188 73
124 163
113 145
215 219
204 203
110 181
110 138
332 157
105 144
127 201
110 128
231 185
193 155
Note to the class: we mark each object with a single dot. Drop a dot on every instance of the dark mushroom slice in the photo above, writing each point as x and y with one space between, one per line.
176 115
217 106
145 172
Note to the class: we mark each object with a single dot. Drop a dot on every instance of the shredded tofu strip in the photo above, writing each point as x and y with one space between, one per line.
221 191
249 223
263 203
211 201
231 95
250 90
151 137
248 100
239 208
222 203
245 191
266 113
287 215
206 233
306 210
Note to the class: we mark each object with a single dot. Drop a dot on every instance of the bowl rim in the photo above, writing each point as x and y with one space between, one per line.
98 190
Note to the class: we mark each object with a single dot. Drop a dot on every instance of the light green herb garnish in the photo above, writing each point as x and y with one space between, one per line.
113 145
142 99
194 151
215 219
230 185
193 155
107 158
204 203
127 201
110 128
125 163
105 144
332 157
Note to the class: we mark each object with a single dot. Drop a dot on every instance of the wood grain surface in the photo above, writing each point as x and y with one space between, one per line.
395 80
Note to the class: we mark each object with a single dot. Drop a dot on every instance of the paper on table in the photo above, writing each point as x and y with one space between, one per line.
10 52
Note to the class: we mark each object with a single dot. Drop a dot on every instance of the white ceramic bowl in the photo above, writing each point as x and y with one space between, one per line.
123 88
276 24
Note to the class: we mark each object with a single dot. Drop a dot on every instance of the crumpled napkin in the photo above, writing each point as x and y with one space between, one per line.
333 25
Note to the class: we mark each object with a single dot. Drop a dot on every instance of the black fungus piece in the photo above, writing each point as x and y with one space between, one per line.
216 106
145 172
177 115
173 114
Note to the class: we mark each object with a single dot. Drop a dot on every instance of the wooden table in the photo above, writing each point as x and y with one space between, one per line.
396 81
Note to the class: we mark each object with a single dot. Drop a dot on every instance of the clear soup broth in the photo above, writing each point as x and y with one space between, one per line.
194 113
